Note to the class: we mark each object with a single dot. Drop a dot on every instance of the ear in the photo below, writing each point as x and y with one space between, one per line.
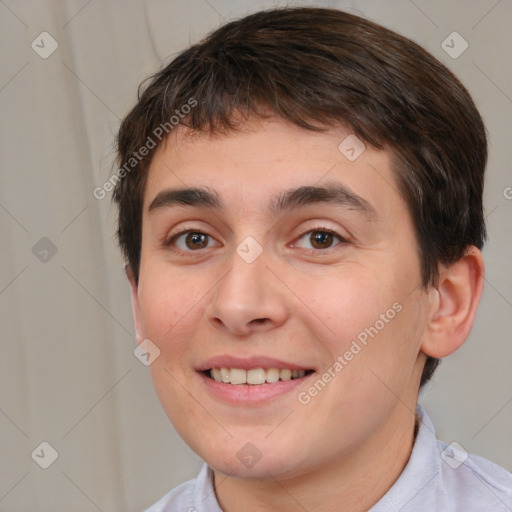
454 303
137 317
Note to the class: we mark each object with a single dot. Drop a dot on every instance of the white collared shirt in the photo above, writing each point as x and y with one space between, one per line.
437 478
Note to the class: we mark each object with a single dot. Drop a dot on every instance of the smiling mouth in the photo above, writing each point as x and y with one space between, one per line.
255 376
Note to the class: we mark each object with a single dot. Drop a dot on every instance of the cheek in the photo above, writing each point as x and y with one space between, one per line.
169 308
352 304
389 355
374 322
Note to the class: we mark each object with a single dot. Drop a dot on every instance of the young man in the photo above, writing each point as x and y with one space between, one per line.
300 206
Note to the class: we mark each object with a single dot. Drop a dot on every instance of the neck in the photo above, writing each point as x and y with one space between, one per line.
358 481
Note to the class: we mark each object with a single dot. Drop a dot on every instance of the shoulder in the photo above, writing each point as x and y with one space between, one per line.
179 498
196 495
473 483
445 477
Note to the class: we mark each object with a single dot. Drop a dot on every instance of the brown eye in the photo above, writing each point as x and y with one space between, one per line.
188 241
321 239
195 240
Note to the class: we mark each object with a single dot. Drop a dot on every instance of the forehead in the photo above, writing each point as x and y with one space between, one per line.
262 165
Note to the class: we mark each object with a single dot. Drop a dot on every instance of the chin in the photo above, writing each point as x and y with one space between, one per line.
258 460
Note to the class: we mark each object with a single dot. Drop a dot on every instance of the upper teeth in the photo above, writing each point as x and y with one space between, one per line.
254 376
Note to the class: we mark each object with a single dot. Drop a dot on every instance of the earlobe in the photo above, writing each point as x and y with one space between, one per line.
453 311
137 317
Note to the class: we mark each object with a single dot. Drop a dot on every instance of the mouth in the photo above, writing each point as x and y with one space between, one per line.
252 381
254 376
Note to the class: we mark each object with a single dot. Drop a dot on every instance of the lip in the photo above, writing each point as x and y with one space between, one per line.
248 394
248 363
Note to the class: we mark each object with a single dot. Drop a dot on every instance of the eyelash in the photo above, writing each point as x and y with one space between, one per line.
321 229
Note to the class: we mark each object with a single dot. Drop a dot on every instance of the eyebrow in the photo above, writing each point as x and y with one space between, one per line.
291 199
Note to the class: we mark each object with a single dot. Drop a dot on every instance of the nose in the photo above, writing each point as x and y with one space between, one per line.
249 298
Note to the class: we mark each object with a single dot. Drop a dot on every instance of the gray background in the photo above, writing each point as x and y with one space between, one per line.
68 375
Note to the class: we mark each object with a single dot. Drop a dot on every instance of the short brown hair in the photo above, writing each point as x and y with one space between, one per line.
319 68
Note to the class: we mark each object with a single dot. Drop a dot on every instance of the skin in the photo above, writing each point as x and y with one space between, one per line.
298 303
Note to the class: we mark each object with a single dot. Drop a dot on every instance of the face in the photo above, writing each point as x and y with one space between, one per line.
290 260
